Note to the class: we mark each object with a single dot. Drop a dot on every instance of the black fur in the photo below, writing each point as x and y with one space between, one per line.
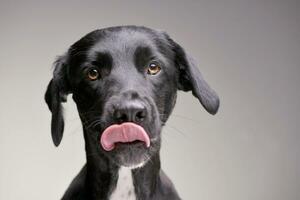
121 55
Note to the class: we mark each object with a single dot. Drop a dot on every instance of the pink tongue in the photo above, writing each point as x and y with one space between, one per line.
126 132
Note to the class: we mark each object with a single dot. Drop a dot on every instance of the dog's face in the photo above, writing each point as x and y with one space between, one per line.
124 81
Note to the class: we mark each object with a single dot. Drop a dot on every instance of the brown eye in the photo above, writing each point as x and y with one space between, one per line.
93 74
153 68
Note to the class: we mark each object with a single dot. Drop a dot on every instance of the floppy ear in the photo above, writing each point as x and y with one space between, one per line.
190 79
56 93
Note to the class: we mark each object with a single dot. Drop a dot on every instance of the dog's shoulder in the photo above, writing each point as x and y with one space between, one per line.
166 189
76 190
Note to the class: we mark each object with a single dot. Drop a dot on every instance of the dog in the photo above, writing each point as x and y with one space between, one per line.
124 81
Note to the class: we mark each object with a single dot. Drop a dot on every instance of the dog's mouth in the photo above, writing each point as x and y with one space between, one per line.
125 134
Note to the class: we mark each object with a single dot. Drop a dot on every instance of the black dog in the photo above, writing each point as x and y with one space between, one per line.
124 81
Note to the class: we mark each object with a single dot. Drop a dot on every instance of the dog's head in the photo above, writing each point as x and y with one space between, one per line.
124 81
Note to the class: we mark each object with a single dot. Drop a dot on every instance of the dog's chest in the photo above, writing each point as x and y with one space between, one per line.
124 189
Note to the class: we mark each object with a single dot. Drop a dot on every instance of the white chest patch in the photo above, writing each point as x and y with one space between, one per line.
124 189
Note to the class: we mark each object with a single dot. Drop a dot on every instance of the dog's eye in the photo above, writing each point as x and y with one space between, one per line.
92 74
153 68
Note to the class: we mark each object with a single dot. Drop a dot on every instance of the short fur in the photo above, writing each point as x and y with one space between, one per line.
121 55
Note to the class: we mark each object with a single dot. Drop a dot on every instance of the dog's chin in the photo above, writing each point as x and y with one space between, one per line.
132 155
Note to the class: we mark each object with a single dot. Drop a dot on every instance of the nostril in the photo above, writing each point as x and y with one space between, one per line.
120 116
140 116
131 113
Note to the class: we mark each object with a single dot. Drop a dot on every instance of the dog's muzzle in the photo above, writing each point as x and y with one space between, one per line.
128 114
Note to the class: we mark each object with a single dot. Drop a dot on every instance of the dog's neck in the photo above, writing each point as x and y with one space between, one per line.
103 175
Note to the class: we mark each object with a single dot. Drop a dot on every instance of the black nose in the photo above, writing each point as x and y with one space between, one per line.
130 113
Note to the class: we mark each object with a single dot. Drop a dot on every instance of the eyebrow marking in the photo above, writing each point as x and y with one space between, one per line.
142 56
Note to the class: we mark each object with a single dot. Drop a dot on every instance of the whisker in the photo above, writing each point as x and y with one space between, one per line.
148 158
94 123
184 117
177 130
90 122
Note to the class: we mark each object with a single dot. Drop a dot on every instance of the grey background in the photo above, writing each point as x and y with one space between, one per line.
249 52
